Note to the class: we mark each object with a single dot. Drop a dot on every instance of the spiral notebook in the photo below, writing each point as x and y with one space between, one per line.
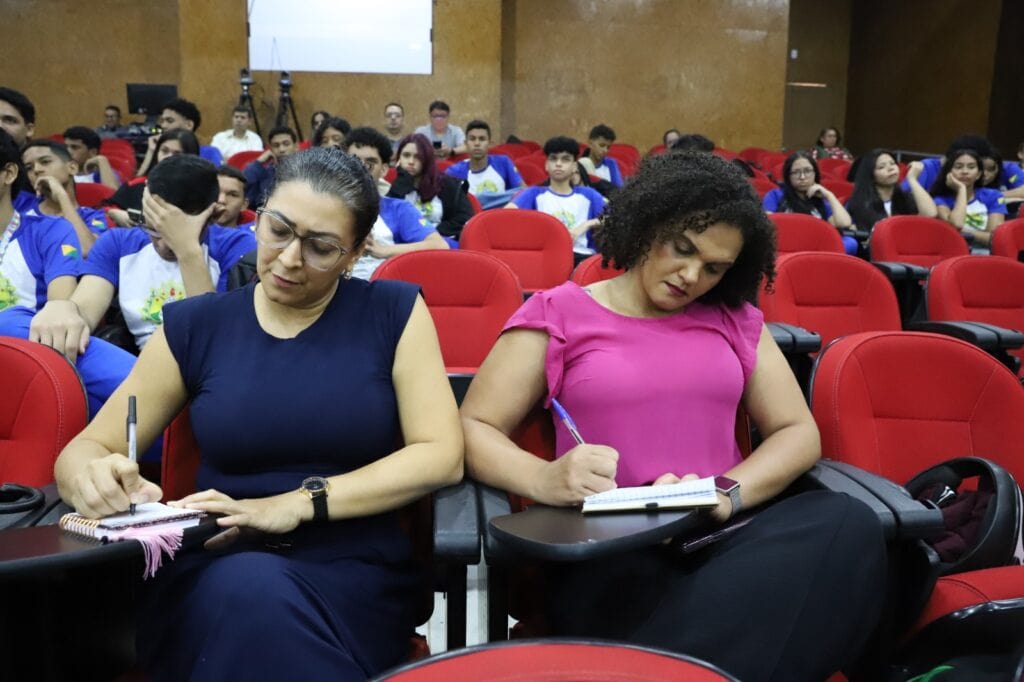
157 527
699 493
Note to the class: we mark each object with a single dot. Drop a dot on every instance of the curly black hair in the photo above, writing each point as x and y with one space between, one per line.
680 191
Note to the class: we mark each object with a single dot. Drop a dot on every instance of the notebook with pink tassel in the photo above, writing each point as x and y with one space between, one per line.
158 527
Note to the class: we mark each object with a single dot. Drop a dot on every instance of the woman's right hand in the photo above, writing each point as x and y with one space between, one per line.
108 485
953 183
585 470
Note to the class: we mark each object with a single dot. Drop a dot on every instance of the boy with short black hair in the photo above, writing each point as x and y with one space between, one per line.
231 198
596 161
485 174
83 144
448 138
180 113
17 115
51 171
260 173
578 208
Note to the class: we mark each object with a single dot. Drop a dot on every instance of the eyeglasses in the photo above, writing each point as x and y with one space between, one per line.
439 116
799 172
393 114
137 219
274 232
370 164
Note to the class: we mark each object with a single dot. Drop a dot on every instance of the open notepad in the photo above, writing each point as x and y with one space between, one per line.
685 494
153 516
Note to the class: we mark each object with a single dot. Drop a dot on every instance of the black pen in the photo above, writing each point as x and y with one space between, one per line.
131 439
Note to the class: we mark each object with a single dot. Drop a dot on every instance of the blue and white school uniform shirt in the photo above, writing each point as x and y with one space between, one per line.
932 167
773 202
570 209
145 281
985 201
94 218
608 170
398 223
499 175
39 249
432 211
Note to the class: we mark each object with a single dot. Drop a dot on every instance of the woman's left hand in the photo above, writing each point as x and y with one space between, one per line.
278 514
817 190
721 513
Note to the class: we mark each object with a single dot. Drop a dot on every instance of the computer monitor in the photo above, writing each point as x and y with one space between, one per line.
148 99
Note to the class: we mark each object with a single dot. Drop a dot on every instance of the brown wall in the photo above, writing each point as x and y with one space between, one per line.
531 67
820 33
920 72
62 55
710 66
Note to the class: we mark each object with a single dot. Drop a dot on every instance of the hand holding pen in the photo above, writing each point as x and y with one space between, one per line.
584 470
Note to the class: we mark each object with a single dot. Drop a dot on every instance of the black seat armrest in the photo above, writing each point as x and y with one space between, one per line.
914 519
988 337
825 478
902 272
491 503
793 339
457 523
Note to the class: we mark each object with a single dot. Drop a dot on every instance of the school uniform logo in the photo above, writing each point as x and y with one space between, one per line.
152 310
69 251
8 295
486 186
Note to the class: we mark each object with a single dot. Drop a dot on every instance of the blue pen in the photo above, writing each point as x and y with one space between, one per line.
567 420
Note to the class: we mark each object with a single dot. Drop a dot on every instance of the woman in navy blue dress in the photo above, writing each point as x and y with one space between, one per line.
301 389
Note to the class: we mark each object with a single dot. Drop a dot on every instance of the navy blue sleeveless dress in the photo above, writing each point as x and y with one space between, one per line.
339 602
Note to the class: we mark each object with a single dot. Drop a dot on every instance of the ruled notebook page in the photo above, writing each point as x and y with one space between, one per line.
697 493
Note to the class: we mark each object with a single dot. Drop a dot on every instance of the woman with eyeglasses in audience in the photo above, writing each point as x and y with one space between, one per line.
652 366
321 406
440 199
801 192
877 193
961 200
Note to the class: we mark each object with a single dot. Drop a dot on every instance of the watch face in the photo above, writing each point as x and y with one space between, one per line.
725 484
315 484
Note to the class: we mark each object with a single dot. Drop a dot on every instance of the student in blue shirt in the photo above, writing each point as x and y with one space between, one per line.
84 147
578 208
399 228
491 178
1004 176
596 161
177 254
40 261
963 203
259 173
51 171
178 114
231 200
801 192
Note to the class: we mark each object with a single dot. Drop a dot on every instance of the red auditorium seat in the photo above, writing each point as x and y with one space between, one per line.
800 232
124 167
832 295
978 289
896 403
511 150
533 173
841 188
1008 239
470 296
531 145
242 159
535 245
92 194
551 660
247 216
42 407
837 168
762 186
752 155
591 270
114 145
915 239
391 174
656 149
475 203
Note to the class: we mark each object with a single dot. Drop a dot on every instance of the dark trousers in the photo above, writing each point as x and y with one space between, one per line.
794 595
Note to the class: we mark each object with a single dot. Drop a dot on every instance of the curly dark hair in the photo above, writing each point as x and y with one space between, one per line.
680 191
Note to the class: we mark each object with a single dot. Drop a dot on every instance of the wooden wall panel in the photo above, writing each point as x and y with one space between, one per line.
920 72
710 66
72 58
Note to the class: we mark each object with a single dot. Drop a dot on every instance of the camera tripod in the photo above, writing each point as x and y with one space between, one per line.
245 99
286 106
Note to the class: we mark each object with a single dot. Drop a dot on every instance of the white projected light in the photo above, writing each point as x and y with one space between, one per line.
356 36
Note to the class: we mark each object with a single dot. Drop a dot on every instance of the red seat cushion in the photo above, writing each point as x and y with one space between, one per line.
470 296
831 294
799 232
591 270
955 593
1008 239
42 407
916 239
535 245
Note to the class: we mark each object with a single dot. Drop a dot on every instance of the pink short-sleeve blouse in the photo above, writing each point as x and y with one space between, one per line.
662 391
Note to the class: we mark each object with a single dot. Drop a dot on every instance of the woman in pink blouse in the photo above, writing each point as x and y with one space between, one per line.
652 366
